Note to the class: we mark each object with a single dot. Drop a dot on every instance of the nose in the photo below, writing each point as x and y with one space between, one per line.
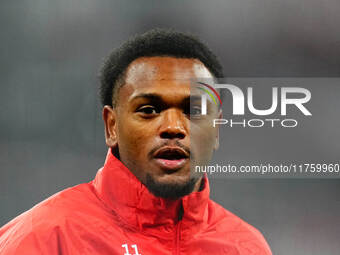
173 125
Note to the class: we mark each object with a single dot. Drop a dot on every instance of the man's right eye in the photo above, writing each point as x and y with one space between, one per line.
148 109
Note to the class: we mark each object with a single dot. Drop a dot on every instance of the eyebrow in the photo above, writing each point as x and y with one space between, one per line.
151 96
158 98
195 97
155 96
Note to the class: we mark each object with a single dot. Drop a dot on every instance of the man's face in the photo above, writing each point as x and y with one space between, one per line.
151 124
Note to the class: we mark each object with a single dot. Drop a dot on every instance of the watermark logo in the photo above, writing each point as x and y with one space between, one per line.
243 102
207 88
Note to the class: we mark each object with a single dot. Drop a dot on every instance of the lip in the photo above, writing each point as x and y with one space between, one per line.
171 164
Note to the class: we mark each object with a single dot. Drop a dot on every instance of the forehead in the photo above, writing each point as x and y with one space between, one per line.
165 68
162 75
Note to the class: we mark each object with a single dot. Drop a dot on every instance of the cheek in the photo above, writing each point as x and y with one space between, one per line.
202 142
133 137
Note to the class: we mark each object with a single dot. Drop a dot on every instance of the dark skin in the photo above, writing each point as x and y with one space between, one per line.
152 113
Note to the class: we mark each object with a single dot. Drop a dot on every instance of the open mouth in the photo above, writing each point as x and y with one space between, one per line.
171 158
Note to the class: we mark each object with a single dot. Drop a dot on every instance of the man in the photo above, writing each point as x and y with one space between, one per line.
145 200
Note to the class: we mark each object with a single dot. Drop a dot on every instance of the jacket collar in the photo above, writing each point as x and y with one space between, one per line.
136 208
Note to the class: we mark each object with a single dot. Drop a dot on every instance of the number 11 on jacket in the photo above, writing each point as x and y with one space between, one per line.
134 246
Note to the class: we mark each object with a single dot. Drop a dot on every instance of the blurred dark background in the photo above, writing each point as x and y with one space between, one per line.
51 133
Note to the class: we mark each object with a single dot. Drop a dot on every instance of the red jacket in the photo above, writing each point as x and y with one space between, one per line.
116 214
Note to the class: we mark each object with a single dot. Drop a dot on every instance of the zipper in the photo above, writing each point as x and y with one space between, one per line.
177 237
178 229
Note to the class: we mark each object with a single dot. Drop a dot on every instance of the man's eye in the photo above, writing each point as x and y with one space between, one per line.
147 110
195 111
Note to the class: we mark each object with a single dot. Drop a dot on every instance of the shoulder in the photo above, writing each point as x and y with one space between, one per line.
39 229
235 230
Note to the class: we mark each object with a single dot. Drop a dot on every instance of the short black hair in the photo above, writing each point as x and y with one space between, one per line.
156 42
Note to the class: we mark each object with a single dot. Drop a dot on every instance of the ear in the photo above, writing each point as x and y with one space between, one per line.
109 117
217 138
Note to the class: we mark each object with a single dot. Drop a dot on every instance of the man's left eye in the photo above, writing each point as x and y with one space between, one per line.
147 110
195 111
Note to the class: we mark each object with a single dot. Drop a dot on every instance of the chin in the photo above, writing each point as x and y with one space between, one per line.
170 185
172 178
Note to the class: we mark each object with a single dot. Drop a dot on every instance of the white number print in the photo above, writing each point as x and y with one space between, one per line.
126 247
